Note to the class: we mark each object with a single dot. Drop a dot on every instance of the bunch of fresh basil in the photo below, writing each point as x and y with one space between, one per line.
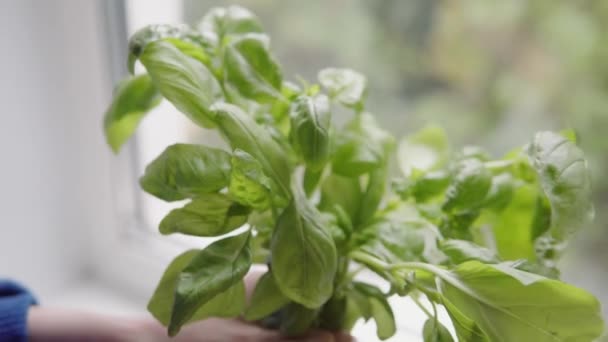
477 236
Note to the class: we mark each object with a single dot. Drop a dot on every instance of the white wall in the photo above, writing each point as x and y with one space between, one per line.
54 168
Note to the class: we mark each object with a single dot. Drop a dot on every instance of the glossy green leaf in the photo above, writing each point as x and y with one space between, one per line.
248 183
345 86
310 127
220 22
459 251
541 222
564 176
304 257
361 301
344 192
512 305
430 185
512 226
424 150
182 80
458 225
361 147
501 191
266 299
133 98
400 236
243 133
469 187
298 319
183 171
210 272
473 152
351 315
161 303
466 329
252 70
229 303
182 37
207 215
191 50
372 195
311 180
333 314
433 331
380 309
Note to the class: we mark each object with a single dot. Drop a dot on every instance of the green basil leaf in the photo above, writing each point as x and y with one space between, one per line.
344 192
183 171
266 299
185 82
220 22
564 177
191 50
458 225
501 191
372 196
469 187
362 303
425 150
243 133
252 70
212 271
248 183
459 251
433 331
207 215
473 152
301 238
333 314
229 303
380 309
338 232
183 37
542 217
430 185
512 305
512 227
311 180
310 126
133 98
345 86
351 315
161 303
298 319
361 147
466 329
400 236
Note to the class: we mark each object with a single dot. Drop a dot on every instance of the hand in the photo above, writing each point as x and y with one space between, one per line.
56 324
238 330
222 330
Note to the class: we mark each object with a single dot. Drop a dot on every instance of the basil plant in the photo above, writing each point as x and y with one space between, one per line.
479 236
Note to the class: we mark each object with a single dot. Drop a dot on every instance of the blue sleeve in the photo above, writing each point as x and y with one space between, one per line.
14 304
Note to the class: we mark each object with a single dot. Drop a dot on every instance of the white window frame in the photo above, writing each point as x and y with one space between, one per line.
127 255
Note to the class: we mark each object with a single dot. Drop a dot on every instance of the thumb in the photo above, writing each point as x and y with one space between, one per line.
317 336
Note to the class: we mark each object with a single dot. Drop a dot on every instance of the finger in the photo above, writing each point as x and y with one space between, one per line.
342 336
316 336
